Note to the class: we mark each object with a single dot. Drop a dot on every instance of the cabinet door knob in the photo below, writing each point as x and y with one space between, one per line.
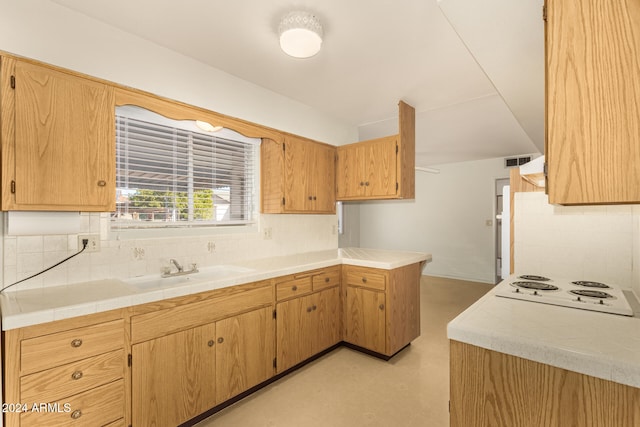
102 183
310 198
76 343
327 280
315 307
210 343
76 414
294 288
76 375
364 280
220 340
366 183
309 309
314 197
381 307
361 184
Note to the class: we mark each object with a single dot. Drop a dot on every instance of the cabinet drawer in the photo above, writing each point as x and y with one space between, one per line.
53 350
293 288
96 407
366 278
72 378
326 279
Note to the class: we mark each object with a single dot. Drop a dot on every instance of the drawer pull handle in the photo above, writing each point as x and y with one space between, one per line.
76 343
327 280
220 340
76 375
294 288
210 343
102 183
381 306
364 280
76 414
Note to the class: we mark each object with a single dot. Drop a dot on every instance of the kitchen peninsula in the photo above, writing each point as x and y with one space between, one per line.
529 364
122 351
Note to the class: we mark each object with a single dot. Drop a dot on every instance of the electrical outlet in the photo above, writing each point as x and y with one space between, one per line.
94 242
267 233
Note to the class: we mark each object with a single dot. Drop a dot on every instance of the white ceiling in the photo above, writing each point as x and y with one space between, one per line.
474 75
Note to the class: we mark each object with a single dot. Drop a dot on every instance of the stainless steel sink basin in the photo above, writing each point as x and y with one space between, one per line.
215 272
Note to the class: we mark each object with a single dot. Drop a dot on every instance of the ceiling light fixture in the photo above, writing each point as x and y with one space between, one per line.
300 34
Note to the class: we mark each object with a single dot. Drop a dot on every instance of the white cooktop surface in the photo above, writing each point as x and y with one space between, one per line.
584 295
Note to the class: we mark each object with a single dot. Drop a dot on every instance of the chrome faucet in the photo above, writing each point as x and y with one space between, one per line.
166 271
178 266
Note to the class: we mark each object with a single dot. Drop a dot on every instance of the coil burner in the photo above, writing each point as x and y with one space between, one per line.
537 286
591 294
588 284
534 277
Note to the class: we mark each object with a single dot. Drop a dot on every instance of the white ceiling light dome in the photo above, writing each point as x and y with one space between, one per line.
300 34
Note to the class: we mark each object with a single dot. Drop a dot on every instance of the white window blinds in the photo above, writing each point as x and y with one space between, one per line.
171 174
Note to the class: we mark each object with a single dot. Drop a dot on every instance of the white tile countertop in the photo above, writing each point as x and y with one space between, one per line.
36 306
601 345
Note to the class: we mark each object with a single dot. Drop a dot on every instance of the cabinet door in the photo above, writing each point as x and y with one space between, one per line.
173 377
323 180
244 352
350 172
64 143
367 170
298 171
294 332
380 167
326 319
593 101
365 318
309 177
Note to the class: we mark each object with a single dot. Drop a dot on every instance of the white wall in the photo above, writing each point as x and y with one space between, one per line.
45 31
447 219
598 243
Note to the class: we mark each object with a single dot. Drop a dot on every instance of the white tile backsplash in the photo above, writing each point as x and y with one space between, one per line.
122 258
580 242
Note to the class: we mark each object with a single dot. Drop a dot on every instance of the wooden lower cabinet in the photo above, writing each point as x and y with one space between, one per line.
492 389
166 362
66 373
174 377
244 352
365 319
179 376
306 326
382 307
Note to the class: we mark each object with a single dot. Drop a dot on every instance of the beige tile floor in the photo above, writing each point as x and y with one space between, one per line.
346 388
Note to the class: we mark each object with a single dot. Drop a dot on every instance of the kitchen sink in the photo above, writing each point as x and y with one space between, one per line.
216 272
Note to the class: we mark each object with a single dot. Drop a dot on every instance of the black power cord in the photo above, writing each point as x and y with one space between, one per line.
85 242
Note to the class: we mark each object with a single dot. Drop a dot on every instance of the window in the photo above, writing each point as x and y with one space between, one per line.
170 173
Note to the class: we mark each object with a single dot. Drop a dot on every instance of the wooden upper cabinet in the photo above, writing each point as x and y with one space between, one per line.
58 132
297 176
593 101
382 168
368 169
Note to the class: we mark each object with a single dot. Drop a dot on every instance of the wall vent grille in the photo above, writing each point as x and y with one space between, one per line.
512 162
